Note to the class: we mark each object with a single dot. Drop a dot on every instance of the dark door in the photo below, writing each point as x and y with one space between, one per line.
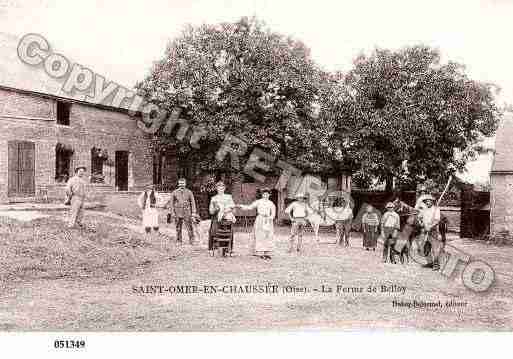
122 170
21 162
157 168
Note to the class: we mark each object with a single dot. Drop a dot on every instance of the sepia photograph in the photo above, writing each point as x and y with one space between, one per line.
255 166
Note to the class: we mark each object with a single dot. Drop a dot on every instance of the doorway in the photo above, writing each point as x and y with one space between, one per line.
121 170
21 169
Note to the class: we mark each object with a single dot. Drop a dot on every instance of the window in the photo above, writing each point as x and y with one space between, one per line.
98 156
63 157
63 111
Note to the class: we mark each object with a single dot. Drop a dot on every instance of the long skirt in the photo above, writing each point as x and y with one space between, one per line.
370 236
263 233
150 217
213 232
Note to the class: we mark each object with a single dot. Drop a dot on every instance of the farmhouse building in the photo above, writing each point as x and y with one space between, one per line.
44 137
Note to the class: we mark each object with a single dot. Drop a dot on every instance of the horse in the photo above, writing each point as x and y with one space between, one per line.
411 214
316 220
423 246
402 245
317 217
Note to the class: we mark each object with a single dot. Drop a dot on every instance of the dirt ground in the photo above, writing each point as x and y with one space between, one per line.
96 299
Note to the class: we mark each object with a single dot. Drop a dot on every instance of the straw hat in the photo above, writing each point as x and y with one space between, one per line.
429 198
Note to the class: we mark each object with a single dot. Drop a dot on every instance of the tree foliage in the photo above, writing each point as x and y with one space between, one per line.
396 114
245 80
410 114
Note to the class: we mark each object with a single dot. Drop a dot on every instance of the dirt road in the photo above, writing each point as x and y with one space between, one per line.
118 304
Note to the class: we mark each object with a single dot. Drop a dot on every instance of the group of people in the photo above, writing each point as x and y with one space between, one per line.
182 209
430 225
181 206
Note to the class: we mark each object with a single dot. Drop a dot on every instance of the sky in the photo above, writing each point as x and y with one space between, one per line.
121 39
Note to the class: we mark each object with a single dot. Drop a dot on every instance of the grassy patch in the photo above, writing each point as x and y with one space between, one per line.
124 205
45 248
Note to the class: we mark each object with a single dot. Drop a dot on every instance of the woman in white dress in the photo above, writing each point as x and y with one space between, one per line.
263 242
150 214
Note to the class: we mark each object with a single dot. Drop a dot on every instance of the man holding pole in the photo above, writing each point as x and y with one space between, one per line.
430 219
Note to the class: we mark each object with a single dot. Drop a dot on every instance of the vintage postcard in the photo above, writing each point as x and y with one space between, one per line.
213 166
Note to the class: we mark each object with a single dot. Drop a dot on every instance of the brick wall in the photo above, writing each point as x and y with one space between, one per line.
33 118
3 171
17 104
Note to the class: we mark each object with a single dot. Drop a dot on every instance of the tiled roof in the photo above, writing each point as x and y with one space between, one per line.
16 75
503 159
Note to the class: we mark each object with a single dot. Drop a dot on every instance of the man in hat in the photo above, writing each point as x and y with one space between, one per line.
76 193
430 219
182 208
390 226
297 212
343 217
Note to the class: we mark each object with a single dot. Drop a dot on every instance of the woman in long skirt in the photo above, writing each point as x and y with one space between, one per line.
150 214
370 225
263 232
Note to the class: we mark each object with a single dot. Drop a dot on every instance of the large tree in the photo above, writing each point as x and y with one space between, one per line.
410 114
245 80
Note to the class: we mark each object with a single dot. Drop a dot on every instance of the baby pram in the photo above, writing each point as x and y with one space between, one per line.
221 237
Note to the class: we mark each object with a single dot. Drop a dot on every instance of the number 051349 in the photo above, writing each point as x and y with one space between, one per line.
69 344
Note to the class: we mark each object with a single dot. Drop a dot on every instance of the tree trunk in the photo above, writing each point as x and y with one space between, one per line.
389 186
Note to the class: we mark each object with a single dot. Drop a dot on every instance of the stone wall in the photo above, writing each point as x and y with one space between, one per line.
501 203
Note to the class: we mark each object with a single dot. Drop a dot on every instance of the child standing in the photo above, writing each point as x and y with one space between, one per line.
370 225
148 203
